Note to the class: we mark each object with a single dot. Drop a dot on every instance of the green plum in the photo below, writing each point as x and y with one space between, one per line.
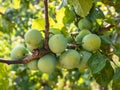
69 59
91 42
33 37
31 47
81 34
18 52
57 43
32 65
84 24
47 64
84 59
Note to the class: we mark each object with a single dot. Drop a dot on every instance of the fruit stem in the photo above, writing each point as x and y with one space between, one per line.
46 25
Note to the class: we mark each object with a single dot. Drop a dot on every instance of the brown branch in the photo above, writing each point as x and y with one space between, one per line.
106 28
36 54
46 25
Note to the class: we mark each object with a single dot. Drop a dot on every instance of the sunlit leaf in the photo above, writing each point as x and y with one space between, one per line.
39 24
69 16
59 15
16 4
82 7
3 77
63 3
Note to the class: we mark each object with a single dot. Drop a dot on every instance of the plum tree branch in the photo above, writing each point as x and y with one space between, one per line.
46 25
35 55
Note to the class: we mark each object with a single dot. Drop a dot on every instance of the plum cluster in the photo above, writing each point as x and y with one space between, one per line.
60 55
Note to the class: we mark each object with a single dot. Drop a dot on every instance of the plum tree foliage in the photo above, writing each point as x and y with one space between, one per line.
65 44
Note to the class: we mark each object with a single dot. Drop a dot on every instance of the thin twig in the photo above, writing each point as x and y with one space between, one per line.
46 25
72 46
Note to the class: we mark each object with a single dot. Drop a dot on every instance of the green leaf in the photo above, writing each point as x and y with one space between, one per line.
69 16
105 75
96 13
116 84
59 15
117 73
97 62
16 4
82 7
3 77
38 24
63 3
116 80
106 38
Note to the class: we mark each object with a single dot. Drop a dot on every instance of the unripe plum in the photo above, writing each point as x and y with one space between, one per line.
33 37
69 59
31 47
81 34
18 52
32 65
84 24
91 42
57 43
85 56
47 64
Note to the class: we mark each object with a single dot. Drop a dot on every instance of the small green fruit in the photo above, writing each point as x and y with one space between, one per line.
91 42
33 37
18 52
57 43
84 60
84 24
69 59
31 47
32 65
81 34
47 64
